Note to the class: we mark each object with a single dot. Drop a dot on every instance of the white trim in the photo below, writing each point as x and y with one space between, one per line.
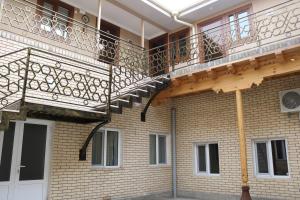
167 152
207 160
120 155
1 144
270 173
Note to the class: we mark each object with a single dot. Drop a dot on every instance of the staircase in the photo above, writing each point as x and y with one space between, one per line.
39 84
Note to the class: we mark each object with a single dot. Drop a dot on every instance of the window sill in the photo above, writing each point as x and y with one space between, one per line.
160 166
106 168
207 175
268 177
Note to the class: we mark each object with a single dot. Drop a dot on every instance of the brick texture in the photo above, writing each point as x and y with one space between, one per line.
211 117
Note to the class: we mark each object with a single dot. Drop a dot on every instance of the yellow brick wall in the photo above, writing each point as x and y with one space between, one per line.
211 117
73 179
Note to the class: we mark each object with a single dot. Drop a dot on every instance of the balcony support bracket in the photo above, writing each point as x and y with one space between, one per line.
82 151
158 90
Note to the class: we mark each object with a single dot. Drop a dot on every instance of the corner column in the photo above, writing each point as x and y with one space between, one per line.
243 148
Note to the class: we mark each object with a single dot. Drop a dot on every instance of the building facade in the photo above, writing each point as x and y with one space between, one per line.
106 100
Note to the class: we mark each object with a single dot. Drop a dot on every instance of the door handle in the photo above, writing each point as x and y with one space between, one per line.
21 166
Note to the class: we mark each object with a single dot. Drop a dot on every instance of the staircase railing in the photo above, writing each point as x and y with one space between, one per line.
36 76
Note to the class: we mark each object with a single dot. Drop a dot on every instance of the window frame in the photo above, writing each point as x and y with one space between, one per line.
157 135
105 149
224 19
207 159
270 173
184 35
56 4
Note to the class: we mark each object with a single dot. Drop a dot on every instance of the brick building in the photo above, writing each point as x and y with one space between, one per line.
128 99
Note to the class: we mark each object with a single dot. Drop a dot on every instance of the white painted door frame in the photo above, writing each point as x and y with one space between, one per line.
16 158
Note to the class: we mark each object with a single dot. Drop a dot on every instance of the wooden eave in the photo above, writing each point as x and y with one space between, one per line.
233 76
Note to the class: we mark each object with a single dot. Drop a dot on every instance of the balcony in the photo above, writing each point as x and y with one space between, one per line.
269 31
65 67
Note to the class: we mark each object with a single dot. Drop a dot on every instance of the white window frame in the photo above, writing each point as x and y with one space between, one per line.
270 159
157 149
1 144
207 161
105 149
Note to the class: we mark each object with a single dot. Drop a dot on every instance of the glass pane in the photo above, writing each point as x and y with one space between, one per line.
61 29
98 148
232 28
152 149
33 152
7 149
162 149
112 148
201 159
47 17
214 158
279 157
244 24
262 158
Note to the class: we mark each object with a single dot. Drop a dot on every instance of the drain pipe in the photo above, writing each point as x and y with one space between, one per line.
194 29
173 138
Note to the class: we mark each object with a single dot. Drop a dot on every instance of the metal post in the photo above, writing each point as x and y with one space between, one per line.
1 9
243 149
142 33
173 137
26 76
99 26
108 108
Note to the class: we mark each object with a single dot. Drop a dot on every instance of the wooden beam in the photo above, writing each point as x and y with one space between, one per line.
243 147
230 82
279 57
129 10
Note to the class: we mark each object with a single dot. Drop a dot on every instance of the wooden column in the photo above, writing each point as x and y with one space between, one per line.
243 147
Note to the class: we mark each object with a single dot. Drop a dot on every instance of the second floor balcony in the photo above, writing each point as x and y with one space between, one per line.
71 63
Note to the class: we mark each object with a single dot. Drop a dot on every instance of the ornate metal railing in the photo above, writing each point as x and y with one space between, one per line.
25 17
268 30
40 77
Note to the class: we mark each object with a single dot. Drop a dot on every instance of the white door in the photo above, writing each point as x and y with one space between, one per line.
24 163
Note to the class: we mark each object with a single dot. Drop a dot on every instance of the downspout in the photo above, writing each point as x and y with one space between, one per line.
194 30
173 138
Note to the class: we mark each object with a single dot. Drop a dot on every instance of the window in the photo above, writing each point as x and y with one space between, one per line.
207 159
64 13
179 46
106 148
271 158
239 25
157 149
222 33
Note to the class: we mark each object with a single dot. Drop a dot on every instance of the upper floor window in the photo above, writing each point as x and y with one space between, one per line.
56 22
179 46
106 148
207 159
271 158
222 33
239 25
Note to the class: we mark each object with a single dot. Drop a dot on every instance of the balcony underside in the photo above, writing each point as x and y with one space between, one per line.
61 114
229 77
